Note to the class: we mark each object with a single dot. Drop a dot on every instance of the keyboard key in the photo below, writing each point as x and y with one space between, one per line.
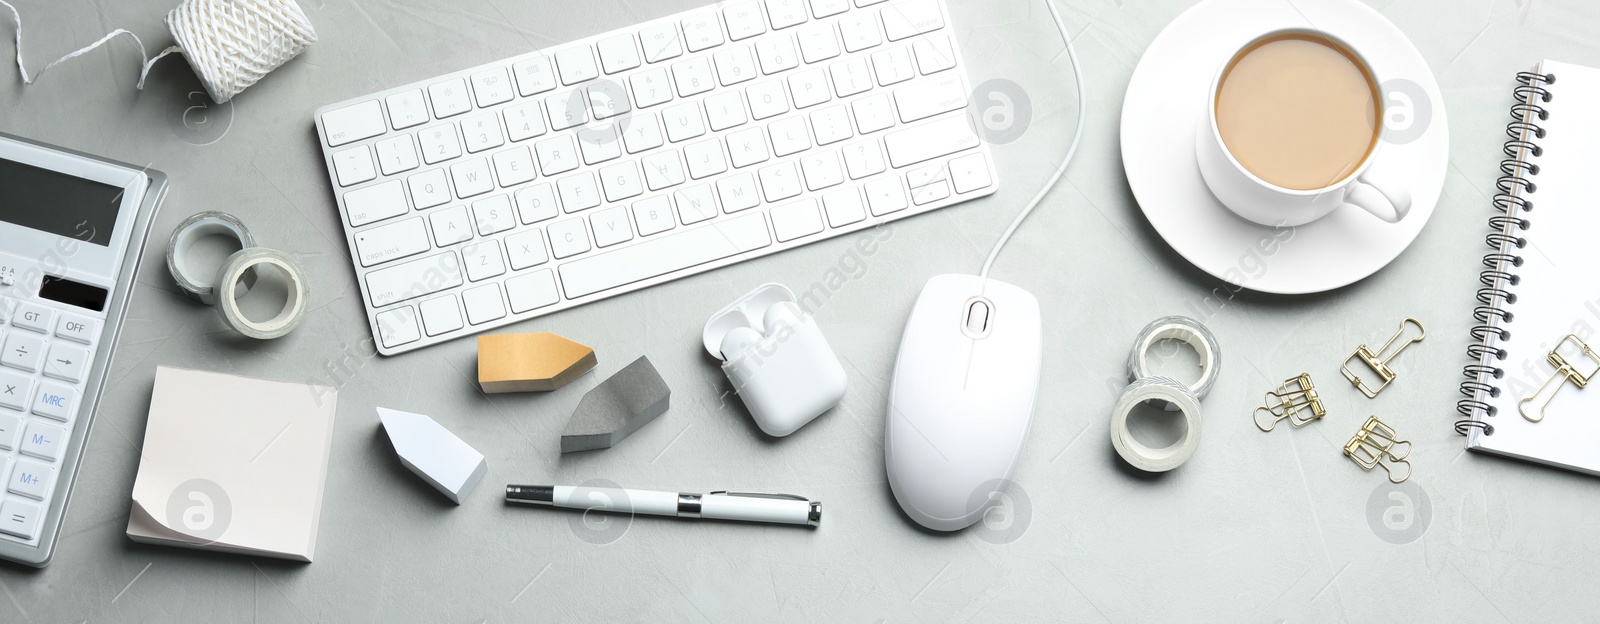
850 76
394 241
780 181
567 109
33 317
683 121
20 518
618 53
578 192
526 249
483 260
660 42
743 20
705 158
23 351
556 155
493 215
407 109
536 203
439 143
693 76
397 327
484 304
933 54
67 363
31 479
695 204
809 88
931 192
789 136
725 110
532 291
607 99
653 215
514 166
523 120
375 203
353 123
441 315
354 165
863 158
662 169
940 137
599 144
885 195
568 238
451 226
15 390
428 189
859 31
767 99
786 13
702 32
611 226
641 132
873 113
925 99
909 18
970 173
777 54
821 169
747 147
10 433
471 177
831 124
482 131
397 154
44 442
576 64
663 254
792 221
817 42
621 181
844 207
893 65
449 98
491 87
534 75
76 328
414 278
825 8
738 192
735 65
650 87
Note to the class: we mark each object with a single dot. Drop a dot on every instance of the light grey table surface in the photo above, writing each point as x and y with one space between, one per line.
1256 527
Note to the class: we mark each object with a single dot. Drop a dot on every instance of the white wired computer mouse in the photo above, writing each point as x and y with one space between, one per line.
962 398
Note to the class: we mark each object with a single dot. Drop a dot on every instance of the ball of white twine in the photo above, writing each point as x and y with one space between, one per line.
230 44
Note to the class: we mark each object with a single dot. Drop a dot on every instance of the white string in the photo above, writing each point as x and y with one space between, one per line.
230 44
1083 103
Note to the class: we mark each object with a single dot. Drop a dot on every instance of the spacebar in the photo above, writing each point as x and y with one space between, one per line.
660 256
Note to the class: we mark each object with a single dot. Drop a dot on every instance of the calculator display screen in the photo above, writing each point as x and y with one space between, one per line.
58 203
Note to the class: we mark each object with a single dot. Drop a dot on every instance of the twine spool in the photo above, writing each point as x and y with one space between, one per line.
230 44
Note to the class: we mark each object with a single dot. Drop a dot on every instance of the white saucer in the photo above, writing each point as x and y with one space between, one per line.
1166 98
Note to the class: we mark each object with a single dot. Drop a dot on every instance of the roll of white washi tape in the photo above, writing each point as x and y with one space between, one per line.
196 282
1184 329
228 302
1144 457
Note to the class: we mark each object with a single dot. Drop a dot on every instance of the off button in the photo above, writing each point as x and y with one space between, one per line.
76 328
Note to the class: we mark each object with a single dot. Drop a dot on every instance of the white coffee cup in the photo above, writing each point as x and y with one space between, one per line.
1374 190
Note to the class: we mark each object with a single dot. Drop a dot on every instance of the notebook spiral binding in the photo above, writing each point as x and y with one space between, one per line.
1515 185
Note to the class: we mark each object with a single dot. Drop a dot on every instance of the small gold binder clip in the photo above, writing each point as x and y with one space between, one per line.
1376 444
1564 372
1379 363
1295 400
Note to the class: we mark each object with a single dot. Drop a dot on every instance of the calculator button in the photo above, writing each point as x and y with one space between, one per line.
65 362
15 390
20 519
10 433
23 351
76 328
44 442
55 401
34 317
31 480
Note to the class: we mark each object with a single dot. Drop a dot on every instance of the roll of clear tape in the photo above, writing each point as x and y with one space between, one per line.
1186 330
1136 453
228 278
194 283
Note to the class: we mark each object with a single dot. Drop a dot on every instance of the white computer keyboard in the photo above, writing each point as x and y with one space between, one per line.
549 180
43 367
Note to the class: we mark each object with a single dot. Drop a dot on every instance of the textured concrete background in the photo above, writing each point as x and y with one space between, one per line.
1255 527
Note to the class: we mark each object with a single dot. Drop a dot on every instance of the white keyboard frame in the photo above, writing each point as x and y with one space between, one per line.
552 263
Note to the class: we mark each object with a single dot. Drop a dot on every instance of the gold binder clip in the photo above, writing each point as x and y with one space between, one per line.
1379 363
1296 400
1564 372
1376 444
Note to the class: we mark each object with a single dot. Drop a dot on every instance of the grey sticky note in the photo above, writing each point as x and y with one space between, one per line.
616 408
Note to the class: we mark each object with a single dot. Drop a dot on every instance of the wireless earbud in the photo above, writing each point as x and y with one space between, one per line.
738 341
776 357
779 315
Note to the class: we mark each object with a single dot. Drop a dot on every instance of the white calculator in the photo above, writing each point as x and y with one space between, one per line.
72 228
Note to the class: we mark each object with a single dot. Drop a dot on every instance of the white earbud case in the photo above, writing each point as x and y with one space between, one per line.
779 362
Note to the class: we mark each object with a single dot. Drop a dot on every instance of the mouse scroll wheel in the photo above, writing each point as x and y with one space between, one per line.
977 317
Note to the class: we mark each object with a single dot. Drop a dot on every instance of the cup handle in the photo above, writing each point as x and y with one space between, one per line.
1381 194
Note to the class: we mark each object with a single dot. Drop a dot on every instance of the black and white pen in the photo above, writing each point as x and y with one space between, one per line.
739 506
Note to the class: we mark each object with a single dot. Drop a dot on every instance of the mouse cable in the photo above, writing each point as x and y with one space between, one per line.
1083 103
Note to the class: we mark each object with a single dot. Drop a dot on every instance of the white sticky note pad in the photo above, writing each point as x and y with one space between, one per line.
438 456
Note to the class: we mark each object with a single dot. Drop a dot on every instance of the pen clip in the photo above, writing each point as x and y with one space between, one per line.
759 495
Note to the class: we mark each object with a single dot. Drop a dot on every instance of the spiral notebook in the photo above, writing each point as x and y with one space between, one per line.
1540 285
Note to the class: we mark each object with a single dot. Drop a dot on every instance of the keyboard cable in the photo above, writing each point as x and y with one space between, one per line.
1083 102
